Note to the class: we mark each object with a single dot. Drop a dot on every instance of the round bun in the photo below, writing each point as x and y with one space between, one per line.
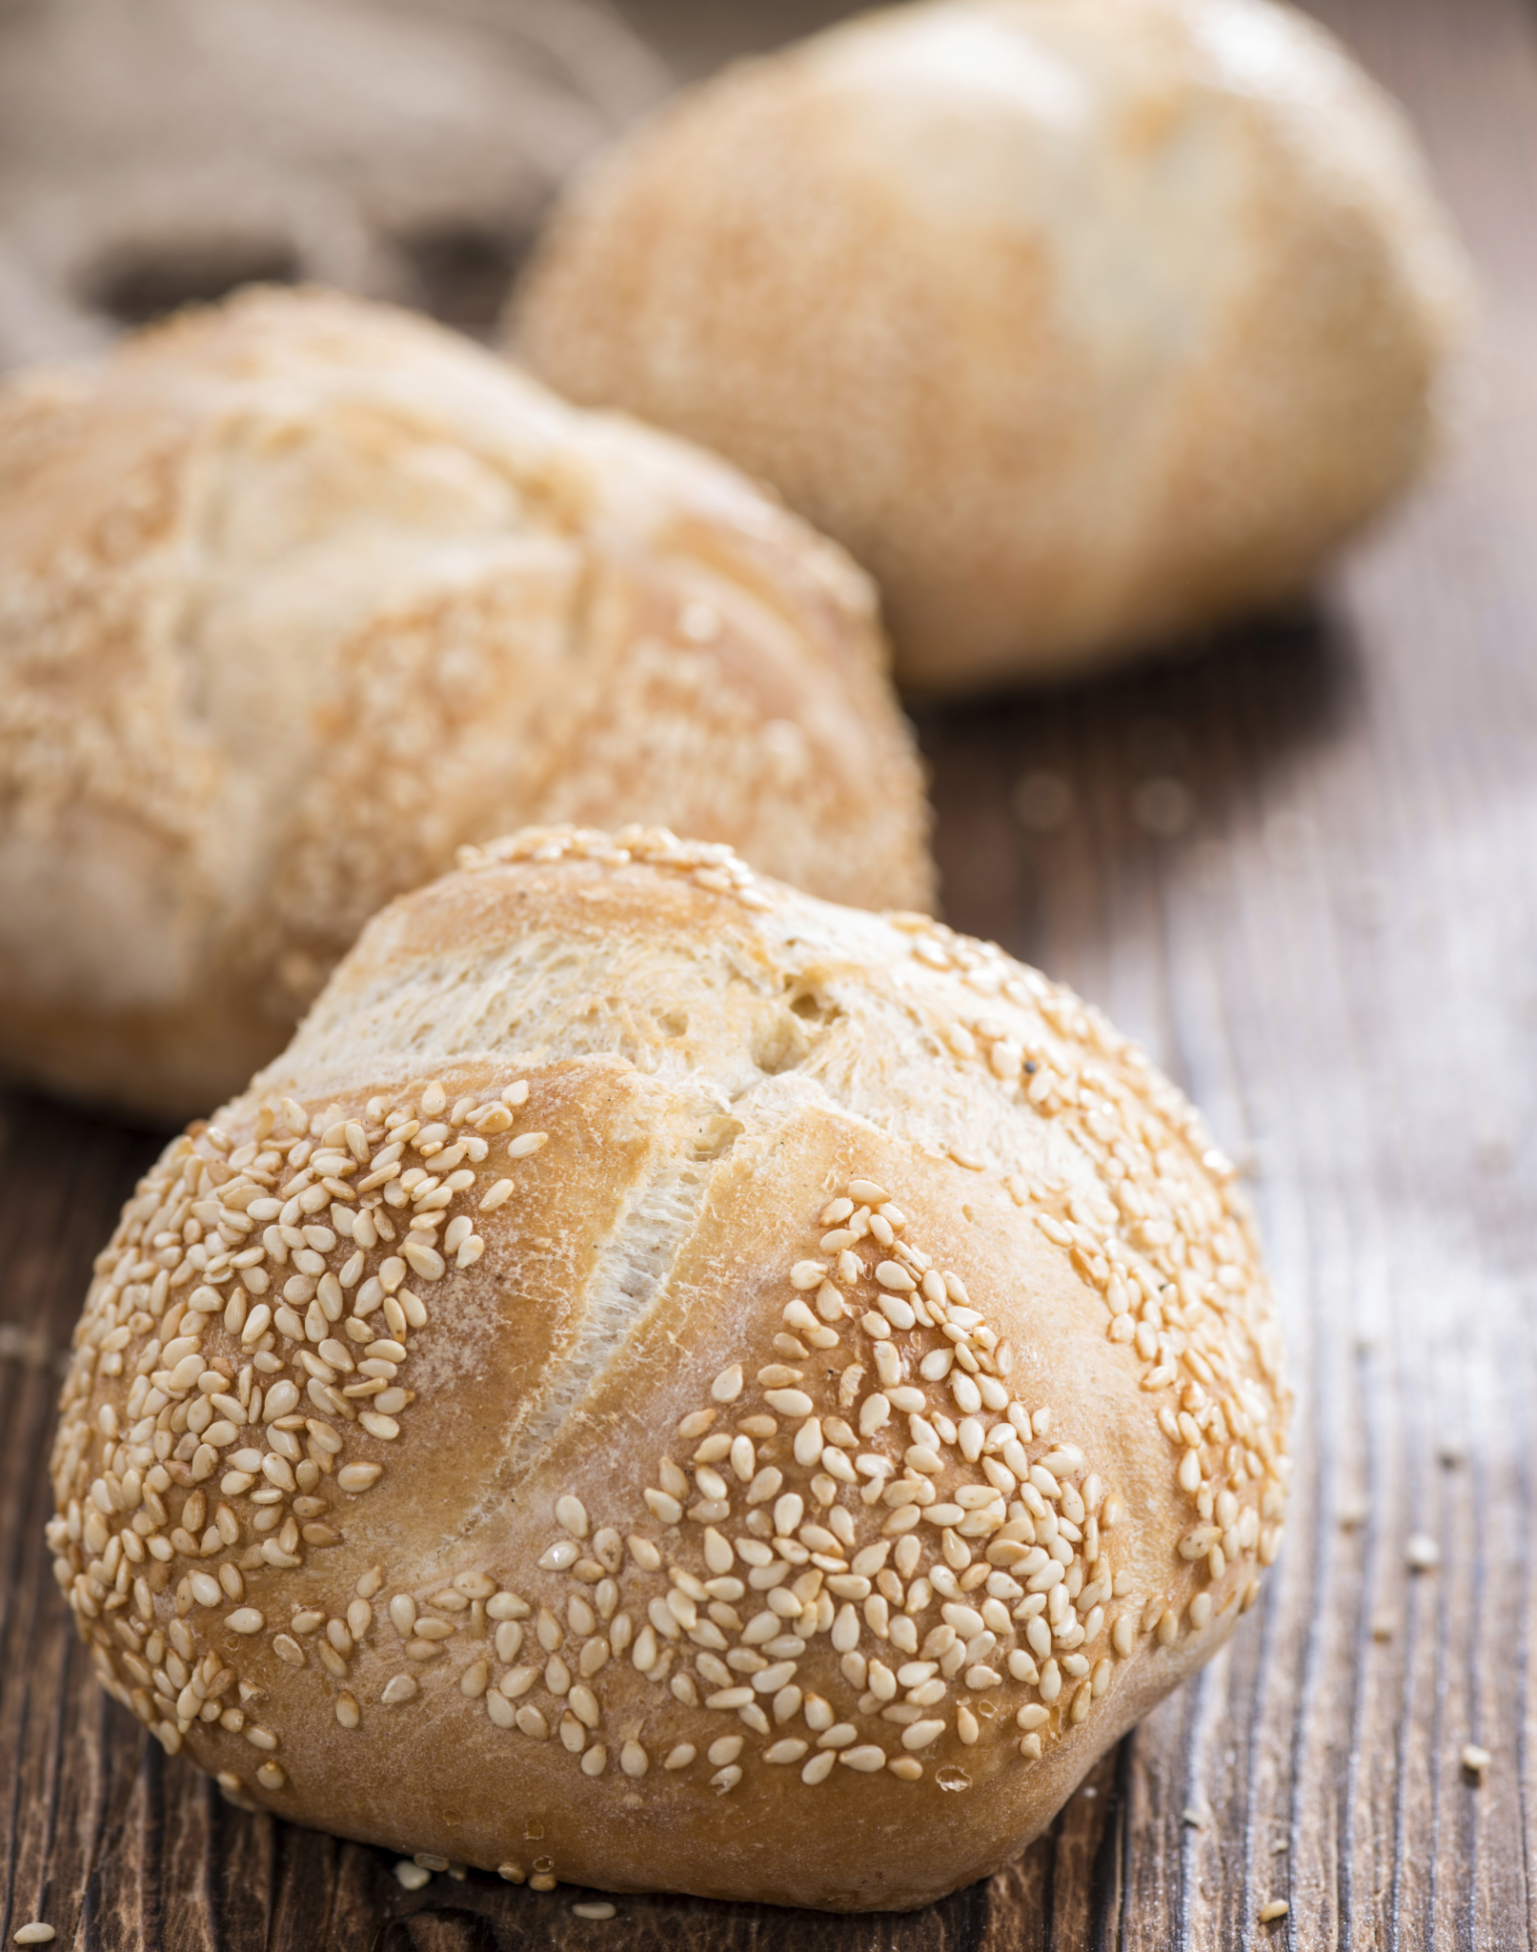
1082 323
300 594
674 1384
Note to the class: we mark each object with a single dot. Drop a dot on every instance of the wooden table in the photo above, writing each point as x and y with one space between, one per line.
1301 867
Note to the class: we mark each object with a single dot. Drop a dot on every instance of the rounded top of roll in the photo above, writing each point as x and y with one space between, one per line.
1082 323
298 593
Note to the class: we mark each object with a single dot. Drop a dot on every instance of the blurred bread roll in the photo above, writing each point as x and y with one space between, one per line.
299 594
721 1393
1081 323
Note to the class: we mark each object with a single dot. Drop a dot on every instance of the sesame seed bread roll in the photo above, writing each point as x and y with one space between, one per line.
299 594
1081 323
669 1383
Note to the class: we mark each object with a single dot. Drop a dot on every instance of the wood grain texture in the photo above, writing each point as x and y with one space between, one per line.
1299 865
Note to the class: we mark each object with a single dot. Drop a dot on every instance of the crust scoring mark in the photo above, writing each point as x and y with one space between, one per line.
876 1507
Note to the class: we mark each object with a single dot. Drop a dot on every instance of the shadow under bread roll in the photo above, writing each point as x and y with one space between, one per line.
298 594
671 1384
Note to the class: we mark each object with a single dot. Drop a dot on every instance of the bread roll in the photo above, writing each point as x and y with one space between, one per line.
1082 323
674 1384
299 594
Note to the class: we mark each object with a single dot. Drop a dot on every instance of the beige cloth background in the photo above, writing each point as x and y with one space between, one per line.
169 149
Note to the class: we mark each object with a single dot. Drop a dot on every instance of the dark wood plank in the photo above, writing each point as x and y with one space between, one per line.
1299 866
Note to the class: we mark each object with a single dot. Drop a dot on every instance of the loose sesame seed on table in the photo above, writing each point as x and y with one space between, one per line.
1296 867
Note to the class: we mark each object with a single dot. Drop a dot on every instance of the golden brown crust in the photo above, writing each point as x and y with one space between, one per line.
1080 322
299 594
855 1404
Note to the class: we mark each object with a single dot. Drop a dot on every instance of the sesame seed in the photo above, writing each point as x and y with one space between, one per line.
1476 1760
1422 1552
411 1877
921 1734
789 1402
506 1606
727 1386
526 1143
770 1679
1276 1908
597 1908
